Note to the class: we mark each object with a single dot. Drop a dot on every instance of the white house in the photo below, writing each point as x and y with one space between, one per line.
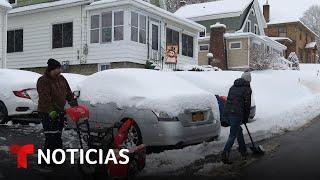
4 8
92 36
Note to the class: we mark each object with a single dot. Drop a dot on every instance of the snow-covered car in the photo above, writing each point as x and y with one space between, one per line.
206 81
18 94
73 80
166 109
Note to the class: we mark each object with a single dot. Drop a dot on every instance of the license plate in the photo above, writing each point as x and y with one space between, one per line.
197 116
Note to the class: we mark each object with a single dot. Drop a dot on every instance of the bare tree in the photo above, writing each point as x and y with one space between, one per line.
311 18
259 58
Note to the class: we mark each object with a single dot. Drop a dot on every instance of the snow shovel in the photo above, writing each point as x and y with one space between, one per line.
253 148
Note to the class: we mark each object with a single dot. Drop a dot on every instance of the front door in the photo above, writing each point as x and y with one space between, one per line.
154 41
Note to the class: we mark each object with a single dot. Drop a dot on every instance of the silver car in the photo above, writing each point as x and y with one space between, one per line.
108 102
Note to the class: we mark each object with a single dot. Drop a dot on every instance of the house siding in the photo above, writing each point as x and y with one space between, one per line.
232 24
238 58
253 19
298 44
37 38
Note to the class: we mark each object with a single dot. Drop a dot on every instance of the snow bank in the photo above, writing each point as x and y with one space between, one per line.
73 80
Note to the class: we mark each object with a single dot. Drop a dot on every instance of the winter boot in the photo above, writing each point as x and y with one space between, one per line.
225 158
243 153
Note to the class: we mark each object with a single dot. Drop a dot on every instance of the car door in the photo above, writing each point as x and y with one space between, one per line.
108 114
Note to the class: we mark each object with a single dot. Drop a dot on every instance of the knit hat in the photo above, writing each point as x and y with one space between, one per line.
246 75
53 64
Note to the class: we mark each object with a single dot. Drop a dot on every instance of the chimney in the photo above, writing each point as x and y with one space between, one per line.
266 11
182 3
217 46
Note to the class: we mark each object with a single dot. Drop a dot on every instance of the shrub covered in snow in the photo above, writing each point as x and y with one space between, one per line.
259 58
295 60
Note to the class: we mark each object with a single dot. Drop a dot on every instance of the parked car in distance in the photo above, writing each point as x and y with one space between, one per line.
166 109
18 95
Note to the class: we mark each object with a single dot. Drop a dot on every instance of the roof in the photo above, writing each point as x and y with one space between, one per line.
312 45
281 39
44 6
293 10
147 7
227 8
264 39
5 4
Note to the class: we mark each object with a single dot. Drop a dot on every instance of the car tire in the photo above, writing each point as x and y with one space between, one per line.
135 133
3 114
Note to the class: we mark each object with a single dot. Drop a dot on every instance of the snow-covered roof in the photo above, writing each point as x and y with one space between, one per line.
280 21
311 45
44 6
147 7
222 8
5 4
281 39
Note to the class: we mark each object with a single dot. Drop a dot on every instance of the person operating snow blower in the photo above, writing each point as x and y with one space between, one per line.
54 91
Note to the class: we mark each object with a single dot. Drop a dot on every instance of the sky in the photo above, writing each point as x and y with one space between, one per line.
288 10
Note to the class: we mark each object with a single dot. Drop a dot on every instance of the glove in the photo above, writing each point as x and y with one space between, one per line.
53 114
73 103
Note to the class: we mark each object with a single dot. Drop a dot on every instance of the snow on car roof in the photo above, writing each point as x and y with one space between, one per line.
145 89
73 80
11 79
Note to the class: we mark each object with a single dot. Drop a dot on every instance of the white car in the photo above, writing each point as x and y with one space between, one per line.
18 94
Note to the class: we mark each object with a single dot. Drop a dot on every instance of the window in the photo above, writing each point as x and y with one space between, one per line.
187 45
111 26
252 12
202 34
104 66
282 31
138 28
62 35
106 27
204 47
172 38
15 41
94 33
118 25
248 26
235 45
256 29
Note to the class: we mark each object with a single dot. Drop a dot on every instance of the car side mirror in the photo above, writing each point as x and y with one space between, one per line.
76 94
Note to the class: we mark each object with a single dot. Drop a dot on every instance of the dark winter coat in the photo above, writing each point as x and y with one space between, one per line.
239 100
53 93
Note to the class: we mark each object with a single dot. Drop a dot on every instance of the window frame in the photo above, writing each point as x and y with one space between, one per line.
235 42
113 26
193 38
138 27
52 39
104 64
14 40
248 24
285 31
204 45
256 29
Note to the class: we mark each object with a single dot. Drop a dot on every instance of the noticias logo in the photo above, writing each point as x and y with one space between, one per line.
116 156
